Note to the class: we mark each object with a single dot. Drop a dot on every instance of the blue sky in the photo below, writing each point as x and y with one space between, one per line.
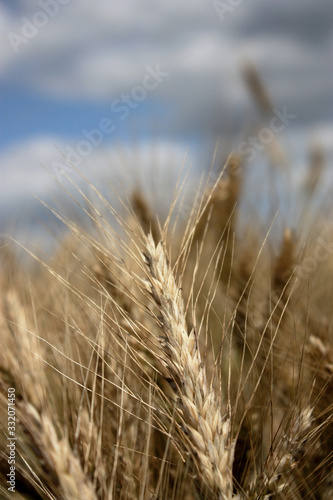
27 113
65 62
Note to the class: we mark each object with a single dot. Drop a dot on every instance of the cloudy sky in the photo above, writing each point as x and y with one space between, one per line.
136 84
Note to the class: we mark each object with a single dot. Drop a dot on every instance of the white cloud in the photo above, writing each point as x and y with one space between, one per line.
22 171
32 168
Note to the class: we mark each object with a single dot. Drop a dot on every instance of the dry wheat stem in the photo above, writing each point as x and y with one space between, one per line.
207 429
58 455
282 460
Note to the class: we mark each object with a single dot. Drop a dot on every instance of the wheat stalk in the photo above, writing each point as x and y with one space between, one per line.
59 456
207 429
282 462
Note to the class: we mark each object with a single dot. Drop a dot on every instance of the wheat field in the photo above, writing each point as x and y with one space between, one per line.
171 359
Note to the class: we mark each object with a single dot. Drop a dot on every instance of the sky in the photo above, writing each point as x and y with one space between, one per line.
144 85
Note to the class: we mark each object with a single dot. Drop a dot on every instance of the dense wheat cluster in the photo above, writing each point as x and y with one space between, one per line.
183 358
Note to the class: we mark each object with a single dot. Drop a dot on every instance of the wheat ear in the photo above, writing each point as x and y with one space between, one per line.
207 430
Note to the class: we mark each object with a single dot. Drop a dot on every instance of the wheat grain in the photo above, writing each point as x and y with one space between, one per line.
207 429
